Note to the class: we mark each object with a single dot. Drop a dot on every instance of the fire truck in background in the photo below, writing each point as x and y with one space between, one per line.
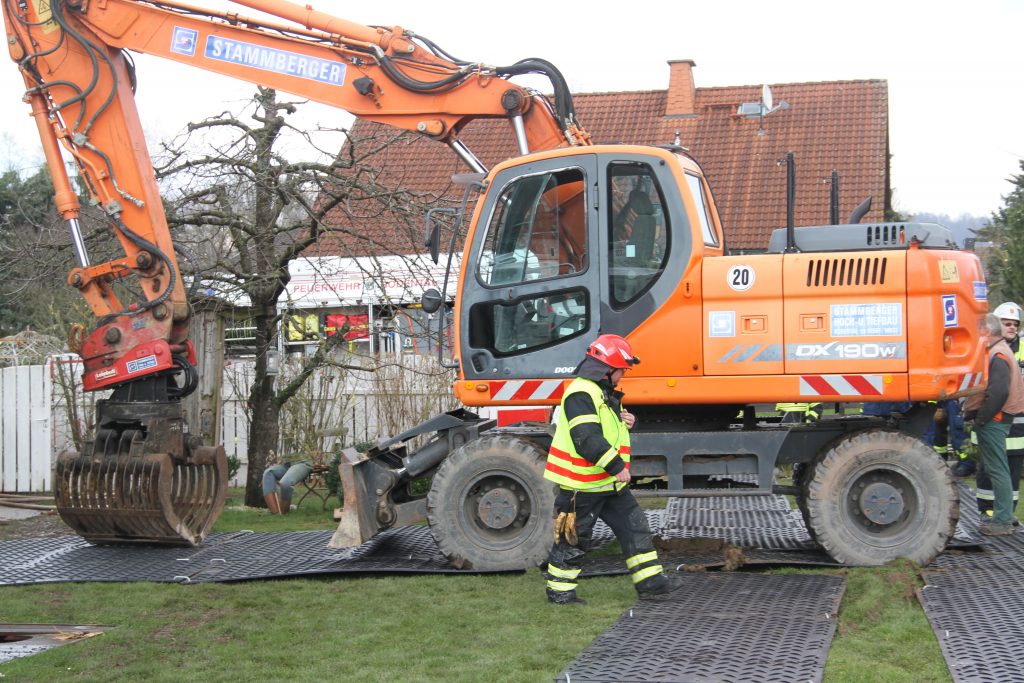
566 241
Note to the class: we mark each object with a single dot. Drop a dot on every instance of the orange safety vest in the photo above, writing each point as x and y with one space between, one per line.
1015 401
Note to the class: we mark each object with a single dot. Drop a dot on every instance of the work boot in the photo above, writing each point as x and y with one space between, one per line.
964 468
662 584
273 506
990 528
564 598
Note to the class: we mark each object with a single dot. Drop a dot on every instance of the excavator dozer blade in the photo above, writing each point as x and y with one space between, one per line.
358 522
152 498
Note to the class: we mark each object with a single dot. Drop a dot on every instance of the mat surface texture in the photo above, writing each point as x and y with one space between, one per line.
721 626
974 602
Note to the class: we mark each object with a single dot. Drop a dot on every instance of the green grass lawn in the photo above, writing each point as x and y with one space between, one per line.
402 628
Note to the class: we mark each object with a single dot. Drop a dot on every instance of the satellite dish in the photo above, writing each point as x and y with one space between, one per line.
766 97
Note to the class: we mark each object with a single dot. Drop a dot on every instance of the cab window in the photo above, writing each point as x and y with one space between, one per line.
537 230
701 201
638 236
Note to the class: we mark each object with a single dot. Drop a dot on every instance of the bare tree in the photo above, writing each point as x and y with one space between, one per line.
246 212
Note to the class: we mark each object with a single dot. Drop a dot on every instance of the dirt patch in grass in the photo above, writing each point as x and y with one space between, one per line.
45 525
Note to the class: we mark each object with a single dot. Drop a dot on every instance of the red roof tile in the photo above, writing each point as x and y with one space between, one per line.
841 125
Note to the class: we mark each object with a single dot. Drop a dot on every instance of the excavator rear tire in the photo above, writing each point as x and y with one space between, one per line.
878 495
489 506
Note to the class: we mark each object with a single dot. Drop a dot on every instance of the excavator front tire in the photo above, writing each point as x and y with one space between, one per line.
489 506
875 496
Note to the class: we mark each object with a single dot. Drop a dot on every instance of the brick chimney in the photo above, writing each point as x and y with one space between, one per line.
681 92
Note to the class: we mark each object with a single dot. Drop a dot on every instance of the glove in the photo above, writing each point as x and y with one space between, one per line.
565 525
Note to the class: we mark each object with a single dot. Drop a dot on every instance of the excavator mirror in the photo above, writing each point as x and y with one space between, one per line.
431 300
433 241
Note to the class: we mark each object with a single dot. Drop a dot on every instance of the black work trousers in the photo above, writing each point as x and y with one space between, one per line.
621 512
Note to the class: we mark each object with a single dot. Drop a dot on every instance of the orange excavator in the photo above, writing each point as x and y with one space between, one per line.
566 241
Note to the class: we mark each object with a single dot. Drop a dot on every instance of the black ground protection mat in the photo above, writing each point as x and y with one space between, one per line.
235 556
974 602
721 626
768 532
223 557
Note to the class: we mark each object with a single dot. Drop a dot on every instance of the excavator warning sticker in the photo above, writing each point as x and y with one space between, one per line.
866 320
141 364
948 271
183 41
278 61
722 323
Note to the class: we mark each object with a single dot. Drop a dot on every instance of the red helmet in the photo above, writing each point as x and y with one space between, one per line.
613 351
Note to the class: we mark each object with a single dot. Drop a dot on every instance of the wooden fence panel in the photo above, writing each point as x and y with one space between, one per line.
26 429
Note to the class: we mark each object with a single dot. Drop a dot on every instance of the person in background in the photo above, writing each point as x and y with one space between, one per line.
992 412
1009 320
589 460
279 482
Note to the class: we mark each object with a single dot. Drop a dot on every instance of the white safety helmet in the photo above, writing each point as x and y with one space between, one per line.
1007 311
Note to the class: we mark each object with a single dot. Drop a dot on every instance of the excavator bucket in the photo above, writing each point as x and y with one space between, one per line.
164 489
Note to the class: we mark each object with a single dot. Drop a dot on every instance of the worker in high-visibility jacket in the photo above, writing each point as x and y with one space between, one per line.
589 460
1009 320
799 412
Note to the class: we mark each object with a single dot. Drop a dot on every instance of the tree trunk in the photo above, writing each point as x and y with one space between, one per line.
264 425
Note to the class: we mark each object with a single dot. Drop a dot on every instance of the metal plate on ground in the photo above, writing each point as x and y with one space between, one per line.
974 602
719 627
23 640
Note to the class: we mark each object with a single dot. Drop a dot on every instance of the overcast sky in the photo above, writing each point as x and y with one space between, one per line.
955 71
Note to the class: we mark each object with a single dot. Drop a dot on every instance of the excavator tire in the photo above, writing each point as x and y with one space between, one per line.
878 495
489 506
799 477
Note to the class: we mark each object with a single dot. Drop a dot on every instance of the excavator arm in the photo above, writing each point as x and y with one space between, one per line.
80 82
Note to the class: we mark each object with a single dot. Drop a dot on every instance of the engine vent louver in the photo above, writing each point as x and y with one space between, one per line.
886 235
846 272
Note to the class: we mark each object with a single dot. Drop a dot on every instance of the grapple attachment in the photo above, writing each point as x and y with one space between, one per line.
141 480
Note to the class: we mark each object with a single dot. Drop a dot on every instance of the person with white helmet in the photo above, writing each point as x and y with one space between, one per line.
589 460
1009 320
993 413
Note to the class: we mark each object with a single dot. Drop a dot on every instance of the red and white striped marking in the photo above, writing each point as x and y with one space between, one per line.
526 390
840 385
971 379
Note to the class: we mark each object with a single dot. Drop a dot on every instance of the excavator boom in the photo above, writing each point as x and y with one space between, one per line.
143 478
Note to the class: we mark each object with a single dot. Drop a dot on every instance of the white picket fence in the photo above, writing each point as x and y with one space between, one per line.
26 428
343 406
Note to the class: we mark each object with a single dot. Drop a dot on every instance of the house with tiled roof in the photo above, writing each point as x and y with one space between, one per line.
830 127
833 126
